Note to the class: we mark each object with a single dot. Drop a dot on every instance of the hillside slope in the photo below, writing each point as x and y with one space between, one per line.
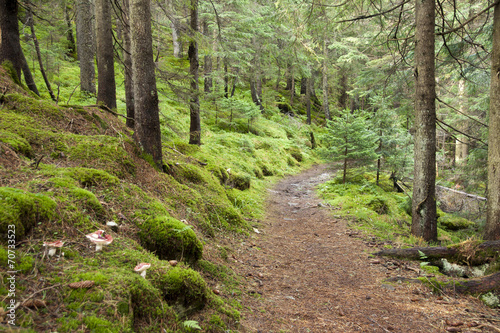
66 171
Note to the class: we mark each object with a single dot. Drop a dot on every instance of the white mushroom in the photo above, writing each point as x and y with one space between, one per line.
100 239
53 246
142 268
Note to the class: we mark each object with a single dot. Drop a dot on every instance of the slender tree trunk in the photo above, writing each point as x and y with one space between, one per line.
424 222
10 45
208 63
492 230
461 144
226 79
86 45
69 33
292 85
38 53
127 59
326 108
308 99
106 87
194 105
147 116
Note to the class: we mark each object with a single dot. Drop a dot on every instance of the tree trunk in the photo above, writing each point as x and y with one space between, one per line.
31 24
71 52
478 286
207 63
424 223
308 100
10 45
473 254
194 105
461 144
226 79
127 60
492 230
326 107
86 45
147 118
292 85
106 88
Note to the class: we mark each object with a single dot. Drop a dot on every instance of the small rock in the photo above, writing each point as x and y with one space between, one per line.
173 263
453 329
368 297
113 225
388 287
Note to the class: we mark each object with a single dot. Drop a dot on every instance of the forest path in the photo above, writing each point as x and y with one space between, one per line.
309 272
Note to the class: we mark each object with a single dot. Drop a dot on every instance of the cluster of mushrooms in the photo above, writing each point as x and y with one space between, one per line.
100 238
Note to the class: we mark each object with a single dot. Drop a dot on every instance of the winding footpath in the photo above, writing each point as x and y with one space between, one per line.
310 272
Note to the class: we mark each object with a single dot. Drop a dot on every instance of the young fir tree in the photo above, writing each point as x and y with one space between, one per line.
350 140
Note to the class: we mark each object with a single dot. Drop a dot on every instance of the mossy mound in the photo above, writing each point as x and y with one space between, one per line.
379 205
170 239
450 222
23 210
185 290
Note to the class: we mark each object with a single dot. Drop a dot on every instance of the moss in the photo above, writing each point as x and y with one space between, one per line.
219 172
379 205
296 153
240 182
24 104
451 222
11 71
87 199
170 239
92 177
185 290
23 209
18 143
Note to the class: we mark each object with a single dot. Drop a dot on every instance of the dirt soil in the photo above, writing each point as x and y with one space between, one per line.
308 271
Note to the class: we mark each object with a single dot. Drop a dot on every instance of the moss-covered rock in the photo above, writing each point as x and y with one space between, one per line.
451 222
23 209
170 239
240 182
185 290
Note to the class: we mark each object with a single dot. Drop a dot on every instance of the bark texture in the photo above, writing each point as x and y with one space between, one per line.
424 222
86 45
194 103
147 118
492 230
106 87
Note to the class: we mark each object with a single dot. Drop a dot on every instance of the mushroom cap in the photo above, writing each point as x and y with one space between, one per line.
97 238
54 244
142 267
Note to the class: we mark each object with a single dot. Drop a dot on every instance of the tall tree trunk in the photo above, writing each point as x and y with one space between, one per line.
343 96
461 144
303 86
292 85
86 45
127 60
31 24
71 52
106 87
424 223
492 230
10 45
226 79
207 63
326 108
308 99
194 103
147 116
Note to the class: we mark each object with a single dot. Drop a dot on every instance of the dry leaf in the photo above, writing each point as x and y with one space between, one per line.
35 303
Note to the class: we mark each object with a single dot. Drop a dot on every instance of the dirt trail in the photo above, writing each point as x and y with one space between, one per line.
309 272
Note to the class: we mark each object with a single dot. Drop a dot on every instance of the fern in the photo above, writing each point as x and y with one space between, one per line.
191 324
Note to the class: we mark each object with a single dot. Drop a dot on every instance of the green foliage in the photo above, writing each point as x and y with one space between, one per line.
191 324
350 140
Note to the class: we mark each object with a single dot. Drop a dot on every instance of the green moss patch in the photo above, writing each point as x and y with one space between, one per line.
23 210
185 290
170 239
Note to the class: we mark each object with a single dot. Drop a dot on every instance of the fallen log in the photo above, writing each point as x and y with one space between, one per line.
469 252
478 286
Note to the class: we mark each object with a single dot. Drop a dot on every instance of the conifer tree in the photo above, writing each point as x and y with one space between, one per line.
350 140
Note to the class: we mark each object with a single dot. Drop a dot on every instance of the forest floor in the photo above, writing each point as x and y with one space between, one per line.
308 271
